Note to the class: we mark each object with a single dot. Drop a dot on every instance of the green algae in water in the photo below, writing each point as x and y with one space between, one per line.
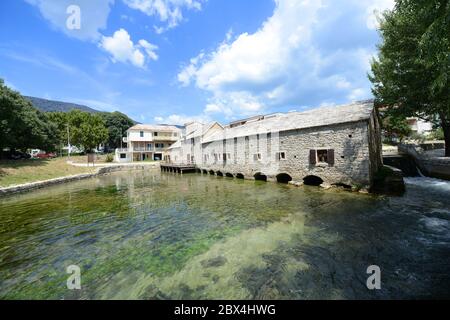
161 236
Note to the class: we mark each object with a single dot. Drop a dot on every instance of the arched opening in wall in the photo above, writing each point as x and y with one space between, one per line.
260 177
283 178
205 171
312 181
211 172
240 176
229 175
219 174
341 185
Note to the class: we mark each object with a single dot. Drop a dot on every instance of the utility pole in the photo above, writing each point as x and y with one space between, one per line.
121 138
68 141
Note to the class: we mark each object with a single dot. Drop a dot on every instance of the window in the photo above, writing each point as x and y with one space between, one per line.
175 134
149 146
141 134
159 145
155 134
123 156
322 156
281 156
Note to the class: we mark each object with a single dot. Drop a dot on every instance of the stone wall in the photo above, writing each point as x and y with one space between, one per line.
350 142
436 167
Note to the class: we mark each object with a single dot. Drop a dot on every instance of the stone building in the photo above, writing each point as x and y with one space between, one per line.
337 145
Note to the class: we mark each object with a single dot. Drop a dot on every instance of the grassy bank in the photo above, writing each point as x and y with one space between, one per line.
14 172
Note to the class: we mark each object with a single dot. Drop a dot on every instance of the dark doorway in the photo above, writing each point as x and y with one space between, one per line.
312 181
283 178
260 177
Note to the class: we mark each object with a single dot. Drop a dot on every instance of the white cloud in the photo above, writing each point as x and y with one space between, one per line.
181 119
168 11
94 16
122 49
283 64
357 94
149 49
212 108
375 9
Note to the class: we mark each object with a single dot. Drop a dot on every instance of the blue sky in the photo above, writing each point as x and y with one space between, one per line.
173 61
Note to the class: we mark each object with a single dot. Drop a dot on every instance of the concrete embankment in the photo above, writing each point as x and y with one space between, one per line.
100 171
431 166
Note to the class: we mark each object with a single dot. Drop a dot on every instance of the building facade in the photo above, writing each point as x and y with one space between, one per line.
339 145
419 126
147 142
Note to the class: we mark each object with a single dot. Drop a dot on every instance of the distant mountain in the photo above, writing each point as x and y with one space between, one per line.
51 105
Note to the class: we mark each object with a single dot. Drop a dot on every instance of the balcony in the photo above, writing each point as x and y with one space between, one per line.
143 149
165 138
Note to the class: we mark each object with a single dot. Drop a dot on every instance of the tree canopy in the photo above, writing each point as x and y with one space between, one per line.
117 124
86 129
411 74
21 125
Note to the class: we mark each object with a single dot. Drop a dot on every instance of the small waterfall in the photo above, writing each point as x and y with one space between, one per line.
428 184
420 172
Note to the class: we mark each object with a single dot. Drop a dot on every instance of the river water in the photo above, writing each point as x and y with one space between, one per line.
150 235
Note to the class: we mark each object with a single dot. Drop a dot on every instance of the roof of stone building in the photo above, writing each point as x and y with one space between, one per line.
202 130
326 116
175 145
155 127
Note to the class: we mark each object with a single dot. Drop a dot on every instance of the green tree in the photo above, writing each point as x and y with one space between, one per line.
21 125
396 127
61 122
117 124
87 130
412 72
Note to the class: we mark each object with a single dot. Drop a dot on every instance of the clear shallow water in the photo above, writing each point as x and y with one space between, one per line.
161 236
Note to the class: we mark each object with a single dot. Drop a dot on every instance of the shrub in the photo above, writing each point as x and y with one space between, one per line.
437 134
109 158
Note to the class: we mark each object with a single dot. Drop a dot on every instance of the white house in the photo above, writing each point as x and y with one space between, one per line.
420 126
147 142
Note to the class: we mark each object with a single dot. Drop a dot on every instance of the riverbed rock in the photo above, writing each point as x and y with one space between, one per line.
326 186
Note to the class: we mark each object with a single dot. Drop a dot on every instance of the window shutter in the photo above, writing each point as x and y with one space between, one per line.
331 157
312 156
